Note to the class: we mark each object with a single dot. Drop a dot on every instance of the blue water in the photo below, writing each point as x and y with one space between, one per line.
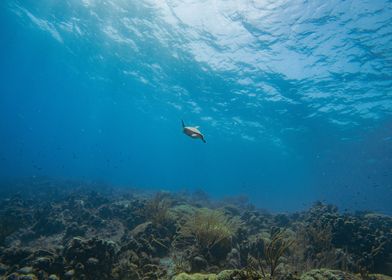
294 97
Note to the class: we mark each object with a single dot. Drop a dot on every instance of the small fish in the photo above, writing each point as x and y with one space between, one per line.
192 132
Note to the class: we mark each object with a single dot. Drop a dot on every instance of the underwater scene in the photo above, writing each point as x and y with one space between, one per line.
196 139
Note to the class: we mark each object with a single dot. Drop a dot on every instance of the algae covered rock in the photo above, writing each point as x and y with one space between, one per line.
380 277
328 274
196 276
223 275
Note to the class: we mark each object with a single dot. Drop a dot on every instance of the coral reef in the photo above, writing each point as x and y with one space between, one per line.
72 230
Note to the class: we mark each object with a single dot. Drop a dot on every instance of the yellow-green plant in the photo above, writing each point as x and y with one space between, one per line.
207 228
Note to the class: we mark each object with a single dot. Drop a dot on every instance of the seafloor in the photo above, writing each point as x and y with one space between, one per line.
69 230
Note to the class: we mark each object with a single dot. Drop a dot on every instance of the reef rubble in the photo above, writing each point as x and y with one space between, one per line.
72 230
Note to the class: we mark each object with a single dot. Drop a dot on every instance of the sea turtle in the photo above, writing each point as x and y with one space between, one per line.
192 132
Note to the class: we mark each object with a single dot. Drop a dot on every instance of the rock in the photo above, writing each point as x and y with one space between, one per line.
43 253
83 256
92 262
48 226
232 210
223 275
380 277
26 270
43 263
213 269
327 274
27 277
15 255
74 229
234 258
3 268
53 277
96 221
79 267
69 274
197 276
282 220
198 264
92 266
13 276
141 229
234 275
26 235
105 212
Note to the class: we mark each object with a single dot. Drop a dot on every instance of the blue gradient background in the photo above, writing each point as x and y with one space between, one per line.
294 97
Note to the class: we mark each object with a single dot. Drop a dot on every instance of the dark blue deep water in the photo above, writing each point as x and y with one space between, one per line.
294 97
